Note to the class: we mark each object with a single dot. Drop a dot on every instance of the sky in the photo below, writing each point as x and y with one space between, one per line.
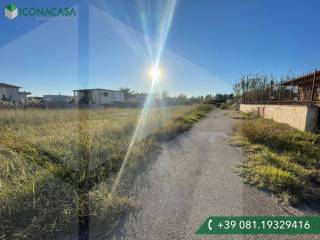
209 44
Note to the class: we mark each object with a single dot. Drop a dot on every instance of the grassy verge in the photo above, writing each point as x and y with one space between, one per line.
57 165
281 159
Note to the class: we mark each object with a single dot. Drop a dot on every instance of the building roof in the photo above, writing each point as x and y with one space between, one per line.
91 89
8 85
304 79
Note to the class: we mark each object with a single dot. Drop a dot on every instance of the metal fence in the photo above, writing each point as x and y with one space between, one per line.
302 90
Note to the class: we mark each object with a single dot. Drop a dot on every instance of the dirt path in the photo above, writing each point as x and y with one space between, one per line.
193 178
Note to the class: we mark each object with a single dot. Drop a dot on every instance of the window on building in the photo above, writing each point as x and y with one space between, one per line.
106 94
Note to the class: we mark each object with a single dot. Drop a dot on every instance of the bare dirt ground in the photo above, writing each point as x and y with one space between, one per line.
195 177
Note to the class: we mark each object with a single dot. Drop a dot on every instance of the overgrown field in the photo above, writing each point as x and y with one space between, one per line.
57 166
281 159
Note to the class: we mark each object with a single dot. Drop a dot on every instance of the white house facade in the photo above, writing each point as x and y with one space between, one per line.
98 96
11 93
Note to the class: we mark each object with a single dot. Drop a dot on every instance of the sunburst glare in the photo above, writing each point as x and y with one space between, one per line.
155 73
158 24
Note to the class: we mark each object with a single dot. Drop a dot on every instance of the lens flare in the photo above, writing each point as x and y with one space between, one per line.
159 23
155 73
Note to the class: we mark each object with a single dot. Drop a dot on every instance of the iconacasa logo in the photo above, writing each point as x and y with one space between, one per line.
11 12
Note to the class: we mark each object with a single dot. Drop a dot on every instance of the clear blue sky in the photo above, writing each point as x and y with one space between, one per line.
210 43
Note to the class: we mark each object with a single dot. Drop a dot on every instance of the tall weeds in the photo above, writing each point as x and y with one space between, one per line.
281 159
57 165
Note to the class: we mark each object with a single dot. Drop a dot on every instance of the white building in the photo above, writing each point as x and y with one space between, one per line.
11 93
57 98
97 96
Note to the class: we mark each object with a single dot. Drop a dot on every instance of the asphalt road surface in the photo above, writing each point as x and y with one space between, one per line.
195 177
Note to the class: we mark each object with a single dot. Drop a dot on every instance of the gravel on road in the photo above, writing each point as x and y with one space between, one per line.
194 177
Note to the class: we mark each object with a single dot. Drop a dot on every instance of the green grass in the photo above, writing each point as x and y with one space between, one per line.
50 159
281 159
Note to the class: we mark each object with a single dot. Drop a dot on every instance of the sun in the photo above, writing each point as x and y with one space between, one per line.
155 73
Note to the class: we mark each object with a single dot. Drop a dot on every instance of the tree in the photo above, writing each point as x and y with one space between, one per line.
165 94
208 98
128 93
182 98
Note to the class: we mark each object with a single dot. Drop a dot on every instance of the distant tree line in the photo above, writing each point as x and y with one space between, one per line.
180 99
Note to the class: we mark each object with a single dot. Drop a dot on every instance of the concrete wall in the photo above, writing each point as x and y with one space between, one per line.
304 118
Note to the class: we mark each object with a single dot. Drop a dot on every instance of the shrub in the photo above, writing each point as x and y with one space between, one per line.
281 159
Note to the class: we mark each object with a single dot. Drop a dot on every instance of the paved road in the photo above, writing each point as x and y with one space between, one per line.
194 177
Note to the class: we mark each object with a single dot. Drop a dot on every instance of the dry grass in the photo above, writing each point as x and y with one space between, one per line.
50 158
281 159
